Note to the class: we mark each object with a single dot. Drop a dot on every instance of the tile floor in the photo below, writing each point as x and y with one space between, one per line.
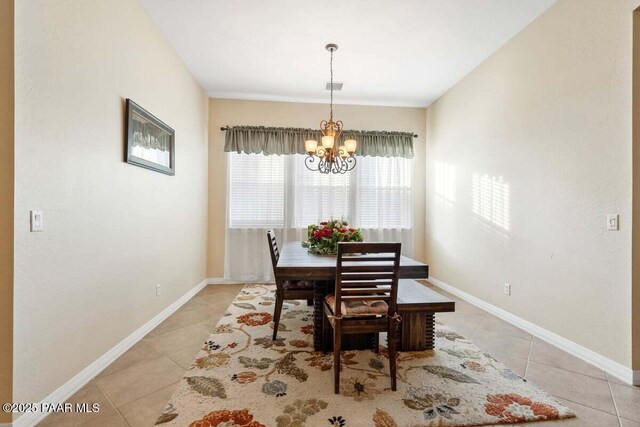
135 388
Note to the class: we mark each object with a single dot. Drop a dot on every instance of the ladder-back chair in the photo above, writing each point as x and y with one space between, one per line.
365 298
286 289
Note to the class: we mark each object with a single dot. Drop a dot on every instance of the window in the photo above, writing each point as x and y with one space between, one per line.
319 196
383 196
280 192
256 191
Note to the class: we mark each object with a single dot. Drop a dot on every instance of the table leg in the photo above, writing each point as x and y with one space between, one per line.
320 291
417 331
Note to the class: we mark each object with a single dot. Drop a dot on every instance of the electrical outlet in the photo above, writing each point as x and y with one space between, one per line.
507 289
158 290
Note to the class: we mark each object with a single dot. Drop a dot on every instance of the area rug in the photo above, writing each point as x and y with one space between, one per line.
243 378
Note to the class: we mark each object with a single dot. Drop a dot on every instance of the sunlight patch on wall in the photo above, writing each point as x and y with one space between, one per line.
491 199
445 182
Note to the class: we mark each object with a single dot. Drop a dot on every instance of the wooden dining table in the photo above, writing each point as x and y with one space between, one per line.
296 263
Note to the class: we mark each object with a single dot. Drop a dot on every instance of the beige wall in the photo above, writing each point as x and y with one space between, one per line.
112 230
224 112
635 253
6 204
550 113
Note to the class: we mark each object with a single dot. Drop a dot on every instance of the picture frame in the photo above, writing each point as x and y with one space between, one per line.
150 143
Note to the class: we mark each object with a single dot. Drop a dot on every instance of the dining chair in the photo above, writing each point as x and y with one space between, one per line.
365 298
286 289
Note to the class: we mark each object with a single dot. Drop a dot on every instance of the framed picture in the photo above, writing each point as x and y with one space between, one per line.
150 142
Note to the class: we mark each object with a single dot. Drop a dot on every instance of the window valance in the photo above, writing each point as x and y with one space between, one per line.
272 140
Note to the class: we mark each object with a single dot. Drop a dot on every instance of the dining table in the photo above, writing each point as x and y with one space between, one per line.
296 263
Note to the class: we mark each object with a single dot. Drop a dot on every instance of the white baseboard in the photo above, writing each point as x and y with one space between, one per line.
609 366
223 281
87 374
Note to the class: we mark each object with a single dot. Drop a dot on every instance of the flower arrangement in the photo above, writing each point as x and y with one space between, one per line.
324 237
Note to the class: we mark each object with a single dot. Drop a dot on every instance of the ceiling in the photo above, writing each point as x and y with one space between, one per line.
400 53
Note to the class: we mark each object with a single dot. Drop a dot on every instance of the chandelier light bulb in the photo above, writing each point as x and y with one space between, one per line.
311 145
350 145
328 141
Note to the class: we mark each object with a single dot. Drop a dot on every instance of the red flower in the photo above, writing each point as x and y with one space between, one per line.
307 329
513 408
343 230
324 223
352 230
227 418
255 319
319 234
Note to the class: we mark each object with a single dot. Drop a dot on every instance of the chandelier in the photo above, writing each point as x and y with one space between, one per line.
330 157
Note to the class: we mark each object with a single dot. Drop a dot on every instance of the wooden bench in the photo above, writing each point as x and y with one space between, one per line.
417 304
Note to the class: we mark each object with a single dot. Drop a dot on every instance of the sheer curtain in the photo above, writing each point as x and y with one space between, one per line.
279 192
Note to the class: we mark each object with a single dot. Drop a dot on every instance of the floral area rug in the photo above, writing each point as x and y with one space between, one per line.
243 378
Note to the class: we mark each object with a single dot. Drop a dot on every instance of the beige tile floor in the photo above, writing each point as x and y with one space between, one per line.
135 388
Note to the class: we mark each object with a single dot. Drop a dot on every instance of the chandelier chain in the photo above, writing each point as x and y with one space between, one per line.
331 69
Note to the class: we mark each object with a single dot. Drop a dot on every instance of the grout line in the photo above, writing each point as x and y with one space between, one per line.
526 367
113 405
581 404
577 372
141 397
478 325
146 395
613 399
138 363
180 366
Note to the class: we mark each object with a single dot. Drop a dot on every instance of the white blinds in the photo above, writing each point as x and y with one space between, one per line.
383 193
256 191
318 196
280 192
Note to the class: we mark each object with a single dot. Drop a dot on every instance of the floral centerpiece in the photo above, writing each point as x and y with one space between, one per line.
324 237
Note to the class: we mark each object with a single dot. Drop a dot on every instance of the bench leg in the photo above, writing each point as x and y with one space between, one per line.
417 331
430 331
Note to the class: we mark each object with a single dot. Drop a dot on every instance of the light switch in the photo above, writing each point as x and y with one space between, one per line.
37 223
612 222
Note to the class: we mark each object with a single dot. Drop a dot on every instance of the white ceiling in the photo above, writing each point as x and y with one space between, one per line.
392 52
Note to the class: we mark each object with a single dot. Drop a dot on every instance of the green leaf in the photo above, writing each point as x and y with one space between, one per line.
207 386
250 362
287 366
376 364
165 418
451 374
245 305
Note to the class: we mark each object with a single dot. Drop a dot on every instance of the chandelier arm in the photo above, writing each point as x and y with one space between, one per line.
339 127
310 163
344 167
338 167
350 162
322 167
